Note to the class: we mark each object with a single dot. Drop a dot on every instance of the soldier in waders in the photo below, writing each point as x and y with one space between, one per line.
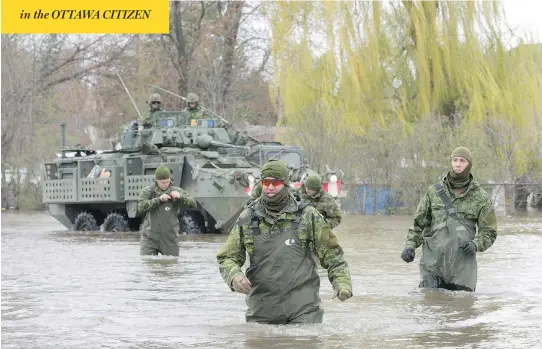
161 204
445 226
281 235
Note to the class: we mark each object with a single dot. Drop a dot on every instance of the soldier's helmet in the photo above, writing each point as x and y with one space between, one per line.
192 98
155 97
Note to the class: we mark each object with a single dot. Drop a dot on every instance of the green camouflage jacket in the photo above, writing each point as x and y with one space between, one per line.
149 199
313 231
197 114
325 204
474 204
148 119
256 192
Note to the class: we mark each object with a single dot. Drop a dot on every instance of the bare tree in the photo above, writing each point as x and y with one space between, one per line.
185 32
34 67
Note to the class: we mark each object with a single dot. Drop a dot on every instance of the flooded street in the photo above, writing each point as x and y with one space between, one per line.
63 289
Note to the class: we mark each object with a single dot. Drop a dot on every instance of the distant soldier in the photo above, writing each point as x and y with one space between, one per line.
311 192
161 204
194 110
155 104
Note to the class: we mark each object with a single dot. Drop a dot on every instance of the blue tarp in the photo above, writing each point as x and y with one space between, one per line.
370 200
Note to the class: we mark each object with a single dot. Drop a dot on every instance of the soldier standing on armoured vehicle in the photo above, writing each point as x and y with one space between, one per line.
161 204
194 110
155 104
281 235
311 191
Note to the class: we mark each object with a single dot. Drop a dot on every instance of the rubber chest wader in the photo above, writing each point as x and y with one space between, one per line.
443 264
285 283
160 231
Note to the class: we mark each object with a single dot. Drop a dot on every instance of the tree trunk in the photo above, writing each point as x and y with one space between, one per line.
231 22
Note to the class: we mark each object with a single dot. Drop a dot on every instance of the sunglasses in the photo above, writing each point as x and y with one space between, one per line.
275 182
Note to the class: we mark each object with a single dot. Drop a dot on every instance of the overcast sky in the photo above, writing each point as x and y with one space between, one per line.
525 15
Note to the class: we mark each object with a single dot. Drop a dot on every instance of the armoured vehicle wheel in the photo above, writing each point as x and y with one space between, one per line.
116 222
85 222
134 224
193 223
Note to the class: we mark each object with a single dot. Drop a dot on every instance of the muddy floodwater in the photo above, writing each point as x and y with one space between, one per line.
64 289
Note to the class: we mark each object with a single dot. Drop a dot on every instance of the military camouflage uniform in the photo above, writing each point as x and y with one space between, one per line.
161 223
443 264
285 284
325 204
150 117
256 192
197 114
155 97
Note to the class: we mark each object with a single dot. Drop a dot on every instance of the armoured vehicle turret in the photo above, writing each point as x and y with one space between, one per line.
86 189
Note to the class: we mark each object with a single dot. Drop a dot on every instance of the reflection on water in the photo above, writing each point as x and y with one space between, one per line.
453 312
64 289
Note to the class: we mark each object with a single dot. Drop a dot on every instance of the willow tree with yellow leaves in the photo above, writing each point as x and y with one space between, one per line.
355 74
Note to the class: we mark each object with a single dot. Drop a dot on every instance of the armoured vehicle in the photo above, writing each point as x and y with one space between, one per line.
86 189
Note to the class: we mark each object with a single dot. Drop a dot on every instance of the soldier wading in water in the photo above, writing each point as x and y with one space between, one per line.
161 204
280 236
454 221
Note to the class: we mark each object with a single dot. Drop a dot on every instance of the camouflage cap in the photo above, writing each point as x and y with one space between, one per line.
161 173
313 182
276 169
192 98
155 97
463 152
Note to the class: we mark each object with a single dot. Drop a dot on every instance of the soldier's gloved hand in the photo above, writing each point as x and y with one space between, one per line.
241 284
164 197
342 295
175 194
408 254
469 247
